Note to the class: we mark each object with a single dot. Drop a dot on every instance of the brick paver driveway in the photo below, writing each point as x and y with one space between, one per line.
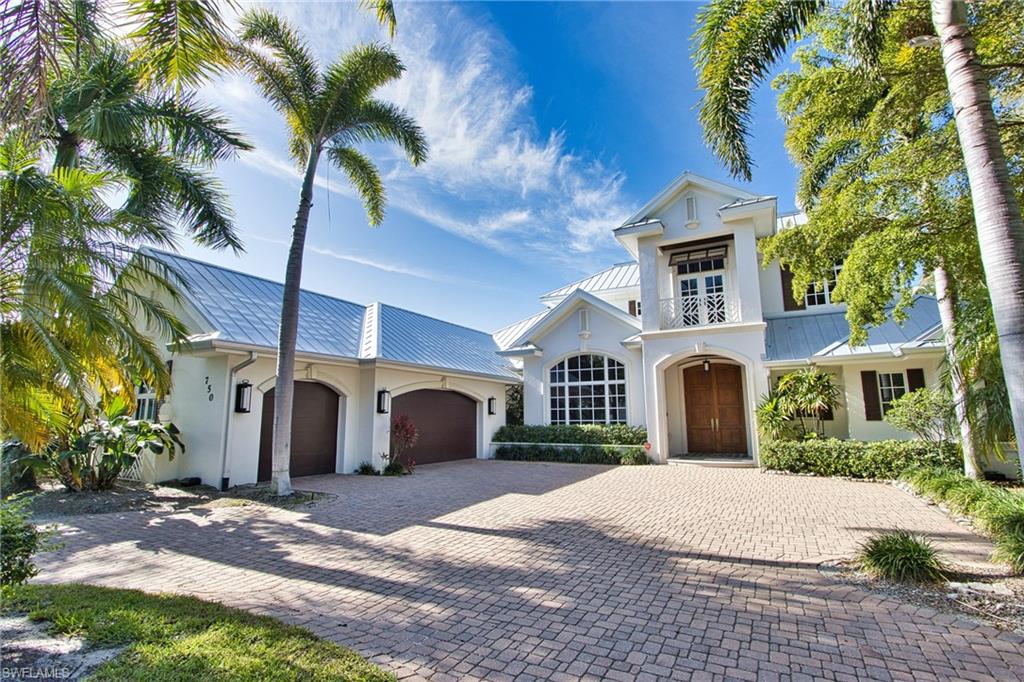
501 570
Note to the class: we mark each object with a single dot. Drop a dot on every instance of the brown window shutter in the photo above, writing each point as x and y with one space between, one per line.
915 379
788 302
632 308
872 404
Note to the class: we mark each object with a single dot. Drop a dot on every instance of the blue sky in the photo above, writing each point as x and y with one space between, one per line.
548 123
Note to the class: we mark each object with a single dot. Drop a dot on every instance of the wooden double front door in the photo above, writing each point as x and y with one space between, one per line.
715 411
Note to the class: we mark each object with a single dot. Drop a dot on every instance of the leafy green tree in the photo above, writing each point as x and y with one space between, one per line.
926 412
331 110
739 41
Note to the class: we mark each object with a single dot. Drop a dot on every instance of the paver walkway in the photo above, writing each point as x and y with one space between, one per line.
506 570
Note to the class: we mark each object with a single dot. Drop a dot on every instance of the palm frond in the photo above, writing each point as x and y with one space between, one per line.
364 177
180 43
736 44
28 57
261 27
384 10
193 131
275 83
351 81
377 121
866 19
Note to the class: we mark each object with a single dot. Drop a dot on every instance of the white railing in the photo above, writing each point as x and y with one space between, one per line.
698 311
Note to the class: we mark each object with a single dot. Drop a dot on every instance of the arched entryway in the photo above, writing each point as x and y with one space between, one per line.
446 421
314 431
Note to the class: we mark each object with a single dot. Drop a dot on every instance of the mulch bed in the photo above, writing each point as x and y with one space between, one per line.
53 501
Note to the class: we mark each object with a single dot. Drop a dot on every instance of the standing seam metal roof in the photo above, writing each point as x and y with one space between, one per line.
246 309
618 276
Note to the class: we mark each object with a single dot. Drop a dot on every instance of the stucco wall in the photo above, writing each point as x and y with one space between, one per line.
196 406
861 428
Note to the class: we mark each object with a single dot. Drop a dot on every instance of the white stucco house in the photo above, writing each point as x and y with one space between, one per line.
684 337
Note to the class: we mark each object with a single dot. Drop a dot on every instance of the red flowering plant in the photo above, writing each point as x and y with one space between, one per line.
404 435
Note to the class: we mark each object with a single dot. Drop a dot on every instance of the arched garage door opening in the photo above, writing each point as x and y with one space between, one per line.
314 431
446 421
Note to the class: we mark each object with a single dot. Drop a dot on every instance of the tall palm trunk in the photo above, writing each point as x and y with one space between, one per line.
284 388
996 211
947 313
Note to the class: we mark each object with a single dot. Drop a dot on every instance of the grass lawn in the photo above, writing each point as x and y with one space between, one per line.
182 638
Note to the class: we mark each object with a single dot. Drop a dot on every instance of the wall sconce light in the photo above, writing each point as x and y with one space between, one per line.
492 406
243 397
383 401
707 365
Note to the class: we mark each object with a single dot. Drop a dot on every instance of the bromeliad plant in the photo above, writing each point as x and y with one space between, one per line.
105 446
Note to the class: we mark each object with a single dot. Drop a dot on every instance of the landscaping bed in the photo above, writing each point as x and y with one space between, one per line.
53 501
572 444
885 459
164 638
994 598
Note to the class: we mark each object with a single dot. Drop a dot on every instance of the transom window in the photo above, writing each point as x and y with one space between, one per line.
891 385
588 389
145 403
820 293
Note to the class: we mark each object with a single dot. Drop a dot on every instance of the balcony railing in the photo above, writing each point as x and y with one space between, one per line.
698 311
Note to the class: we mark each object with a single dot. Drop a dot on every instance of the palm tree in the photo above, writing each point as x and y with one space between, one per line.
737 43
327 111
71 296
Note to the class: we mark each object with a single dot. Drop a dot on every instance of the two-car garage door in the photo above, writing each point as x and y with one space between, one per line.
446 421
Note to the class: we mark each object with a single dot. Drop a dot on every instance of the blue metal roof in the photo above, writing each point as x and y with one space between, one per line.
826 335
410 337
618 276
246 309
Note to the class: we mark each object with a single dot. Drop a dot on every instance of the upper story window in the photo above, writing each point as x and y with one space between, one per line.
588 389
891 385
820 293
145 403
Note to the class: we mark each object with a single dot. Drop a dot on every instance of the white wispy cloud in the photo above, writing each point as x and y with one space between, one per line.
492 176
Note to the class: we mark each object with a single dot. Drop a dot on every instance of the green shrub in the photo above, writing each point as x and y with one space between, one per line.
15 475
589 434
20 541
366 469
856 459
1010 550
997 511
394 469
901 556
572 454
926 412
636 457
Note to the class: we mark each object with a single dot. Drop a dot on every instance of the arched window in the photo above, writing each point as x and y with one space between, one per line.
588 389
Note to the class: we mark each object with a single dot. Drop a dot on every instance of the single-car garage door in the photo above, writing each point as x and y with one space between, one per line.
446 421
314 431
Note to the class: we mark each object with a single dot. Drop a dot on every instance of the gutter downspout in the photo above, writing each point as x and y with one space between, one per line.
227 417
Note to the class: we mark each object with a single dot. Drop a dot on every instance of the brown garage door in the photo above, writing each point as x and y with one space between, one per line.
314 431
446 421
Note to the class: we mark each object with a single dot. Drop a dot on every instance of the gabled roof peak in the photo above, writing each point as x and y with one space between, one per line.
681 180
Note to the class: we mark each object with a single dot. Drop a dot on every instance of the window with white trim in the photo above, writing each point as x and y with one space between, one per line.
891 385
588 389
145 403
820 293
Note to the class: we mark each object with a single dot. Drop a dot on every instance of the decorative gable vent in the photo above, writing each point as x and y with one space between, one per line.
691 211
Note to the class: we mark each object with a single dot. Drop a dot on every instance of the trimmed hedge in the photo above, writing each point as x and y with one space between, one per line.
857 459
583 454
589 434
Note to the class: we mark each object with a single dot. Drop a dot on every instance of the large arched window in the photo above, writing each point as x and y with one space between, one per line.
588 389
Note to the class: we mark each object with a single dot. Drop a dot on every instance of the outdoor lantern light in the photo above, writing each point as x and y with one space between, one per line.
383 401
707 365
243 397
492 406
